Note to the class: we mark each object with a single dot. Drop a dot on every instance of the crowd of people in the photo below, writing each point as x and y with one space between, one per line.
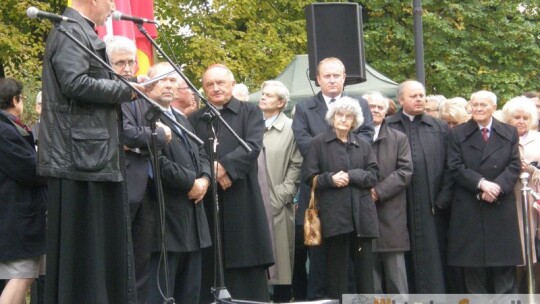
420 198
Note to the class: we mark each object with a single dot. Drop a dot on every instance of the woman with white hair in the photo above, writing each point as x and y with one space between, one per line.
346 170
283 162
520 112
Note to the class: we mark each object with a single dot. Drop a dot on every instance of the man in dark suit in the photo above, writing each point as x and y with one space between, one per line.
483 158
427 223
309 120
247 247
395 163
185 172
122 54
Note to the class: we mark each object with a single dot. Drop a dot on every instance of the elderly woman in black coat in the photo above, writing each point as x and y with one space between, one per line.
346 170
22 198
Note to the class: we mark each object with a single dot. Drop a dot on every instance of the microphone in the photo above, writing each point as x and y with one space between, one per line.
117 15
33 12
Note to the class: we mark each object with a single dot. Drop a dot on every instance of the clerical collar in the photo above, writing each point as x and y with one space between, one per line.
411 117
92 23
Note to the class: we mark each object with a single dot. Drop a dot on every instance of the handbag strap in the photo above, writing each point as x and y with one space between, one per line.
312 201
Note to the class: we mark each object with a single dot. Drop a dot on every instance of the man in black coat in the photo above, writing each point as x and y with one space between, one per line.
185 173
483 158
393 153
427 223
309 120
122 53
81 152
247 247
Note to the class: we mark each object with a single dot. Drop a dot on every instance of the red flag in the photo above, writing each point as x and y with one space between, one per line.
144 9
137 8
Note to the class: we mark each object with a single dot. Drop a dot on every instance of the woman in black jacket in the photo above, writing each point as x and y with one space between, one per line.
347 170
22 198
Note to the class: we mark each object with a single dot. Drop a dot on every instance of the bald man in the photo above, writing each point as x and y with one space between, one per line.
245 230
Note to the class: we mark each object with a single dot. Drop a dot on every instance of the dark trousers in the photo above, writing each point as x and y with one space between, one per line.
248 283
490 280
142 223
316 287
299 279
184 277
282 294
339 250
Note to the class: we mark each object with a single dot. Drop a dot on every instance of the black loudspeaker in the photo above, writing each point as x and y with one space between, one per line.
335 30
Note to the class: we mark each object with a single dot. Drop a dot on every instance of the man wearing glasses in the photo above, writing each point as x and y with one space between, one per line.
122 54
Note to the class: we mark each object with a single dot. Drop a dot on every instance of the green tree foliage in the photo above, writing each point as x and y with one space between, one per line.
256 39
469 45
22 46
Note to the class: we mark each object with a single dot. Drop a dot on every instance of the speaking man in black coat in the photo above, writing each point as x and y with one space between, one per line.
309 121
81 152
247 247
483 158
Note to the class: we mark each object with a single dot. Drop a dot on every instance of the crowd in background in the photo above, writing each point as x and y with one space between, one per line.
423 197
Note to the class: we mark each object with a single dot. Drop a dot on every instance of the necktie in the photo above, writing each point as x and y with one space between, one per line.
332 100
182 135
485 134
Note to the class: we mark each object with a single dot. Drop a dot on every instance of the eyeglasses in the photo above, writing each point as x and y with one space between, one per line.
122 63
22 97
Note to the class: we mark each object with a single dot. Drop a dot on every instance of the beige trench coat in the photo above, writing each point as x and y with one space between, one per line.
529 148
283 162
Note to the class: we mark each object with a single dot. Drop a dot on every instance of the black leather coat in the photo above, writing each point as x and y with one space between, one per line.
80 120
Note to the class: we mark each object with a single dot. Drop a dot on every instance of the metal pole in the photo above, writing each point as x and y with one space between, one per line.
419 41
527 234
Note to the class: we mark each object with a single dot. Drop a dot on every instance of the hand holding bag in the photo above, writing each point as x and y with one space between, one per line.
312 224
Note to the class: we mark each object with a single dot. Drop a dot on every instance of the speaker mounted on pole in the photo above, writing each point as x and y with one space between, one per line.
335 30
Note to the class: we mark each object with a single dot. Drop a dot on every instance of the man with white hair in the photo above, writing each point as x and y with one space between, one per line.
483 159
393 153
122 53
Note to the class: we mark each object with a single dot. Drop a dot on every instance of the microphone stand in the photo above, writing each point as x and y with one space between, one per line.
153 115
528 246
220 292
